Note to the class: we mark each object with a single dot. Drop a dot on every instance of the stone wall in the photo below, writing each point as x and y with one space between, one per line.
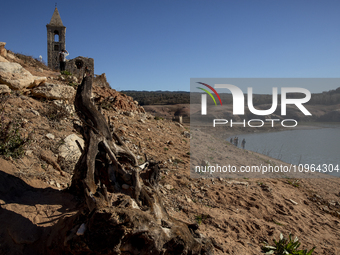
100 80
71 66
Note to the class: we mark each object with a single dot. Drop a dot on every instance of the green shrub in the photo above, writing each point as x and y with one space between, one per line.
54 113
65 72
11 140
286 247
199 218
73 84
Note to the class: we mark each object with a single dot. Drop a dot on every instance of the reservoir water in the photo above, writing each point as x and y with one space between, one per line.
315 145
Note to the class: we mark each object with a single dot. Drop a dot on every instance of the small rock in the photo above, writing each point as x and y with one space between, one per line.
35 112
293 202
187 134
29 153
238 183
332 203
168 187
130 114
178 124
326 209
205 163
188 199
81 229
58 185
50 136
4 89
125 186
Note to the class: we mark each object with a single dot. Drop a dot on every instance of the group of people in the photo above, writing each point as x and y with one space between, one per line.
235 142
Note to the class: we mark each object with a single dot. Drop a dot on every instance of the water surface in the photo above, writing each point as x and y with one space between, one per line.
315 145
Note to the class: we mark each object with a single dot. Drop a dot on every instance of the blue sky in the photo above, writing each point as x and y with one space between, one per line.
161 44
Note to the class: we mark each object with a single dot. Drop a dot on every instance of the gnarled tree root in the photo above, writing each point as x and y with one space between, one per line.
116 220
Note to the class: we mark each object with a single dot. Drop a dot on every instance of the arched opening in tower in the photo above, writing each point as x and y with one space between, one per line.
56 36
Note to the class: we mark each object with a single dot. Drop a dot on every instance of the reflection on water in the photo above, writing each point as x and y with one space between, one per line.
299 146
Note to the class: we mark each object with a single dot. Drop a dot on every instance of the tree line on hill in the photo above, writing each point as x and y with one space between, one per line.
159 97
182 97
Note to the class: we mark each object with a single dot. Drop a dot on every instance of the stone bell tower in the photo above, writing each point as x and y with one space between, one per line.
56 33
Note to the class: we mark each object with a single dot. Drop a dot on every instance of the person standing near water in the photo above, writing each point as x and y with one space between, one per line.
243 143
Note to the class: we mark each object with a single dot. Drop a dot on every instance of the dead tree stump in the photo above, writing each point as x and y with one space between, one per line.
123 212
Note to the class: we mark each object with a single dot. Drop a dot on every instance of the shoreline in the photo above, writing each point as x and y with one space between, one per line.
232 155
290 156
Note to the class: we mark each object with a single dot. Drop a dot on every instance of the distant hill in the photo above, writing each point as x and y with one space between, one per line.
331 97
159 97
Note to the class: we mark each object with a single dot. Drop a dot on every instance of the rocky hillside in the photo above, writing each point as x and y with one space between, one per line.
38 133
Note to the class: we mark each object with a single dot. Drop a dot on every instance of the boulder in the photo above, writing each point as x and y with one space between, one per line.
63 106
37 81
2 59
4 89
3 51
17 77
54 91
69 152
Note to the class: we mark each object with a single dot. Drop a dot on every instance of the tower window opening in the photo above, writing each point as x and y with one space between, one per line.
56 36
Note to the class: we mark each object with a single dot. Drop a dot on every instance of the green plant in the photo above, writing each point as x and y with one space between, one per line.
55 114
286 247
166 149
278 223
159 118
12 142
73 84
199 218
178 160
106 105
295 183
65 72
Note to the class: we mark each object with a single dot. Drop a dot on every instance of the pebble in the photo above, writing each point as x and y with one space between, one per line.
29 153
50 136
168 187
35 112
125 186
